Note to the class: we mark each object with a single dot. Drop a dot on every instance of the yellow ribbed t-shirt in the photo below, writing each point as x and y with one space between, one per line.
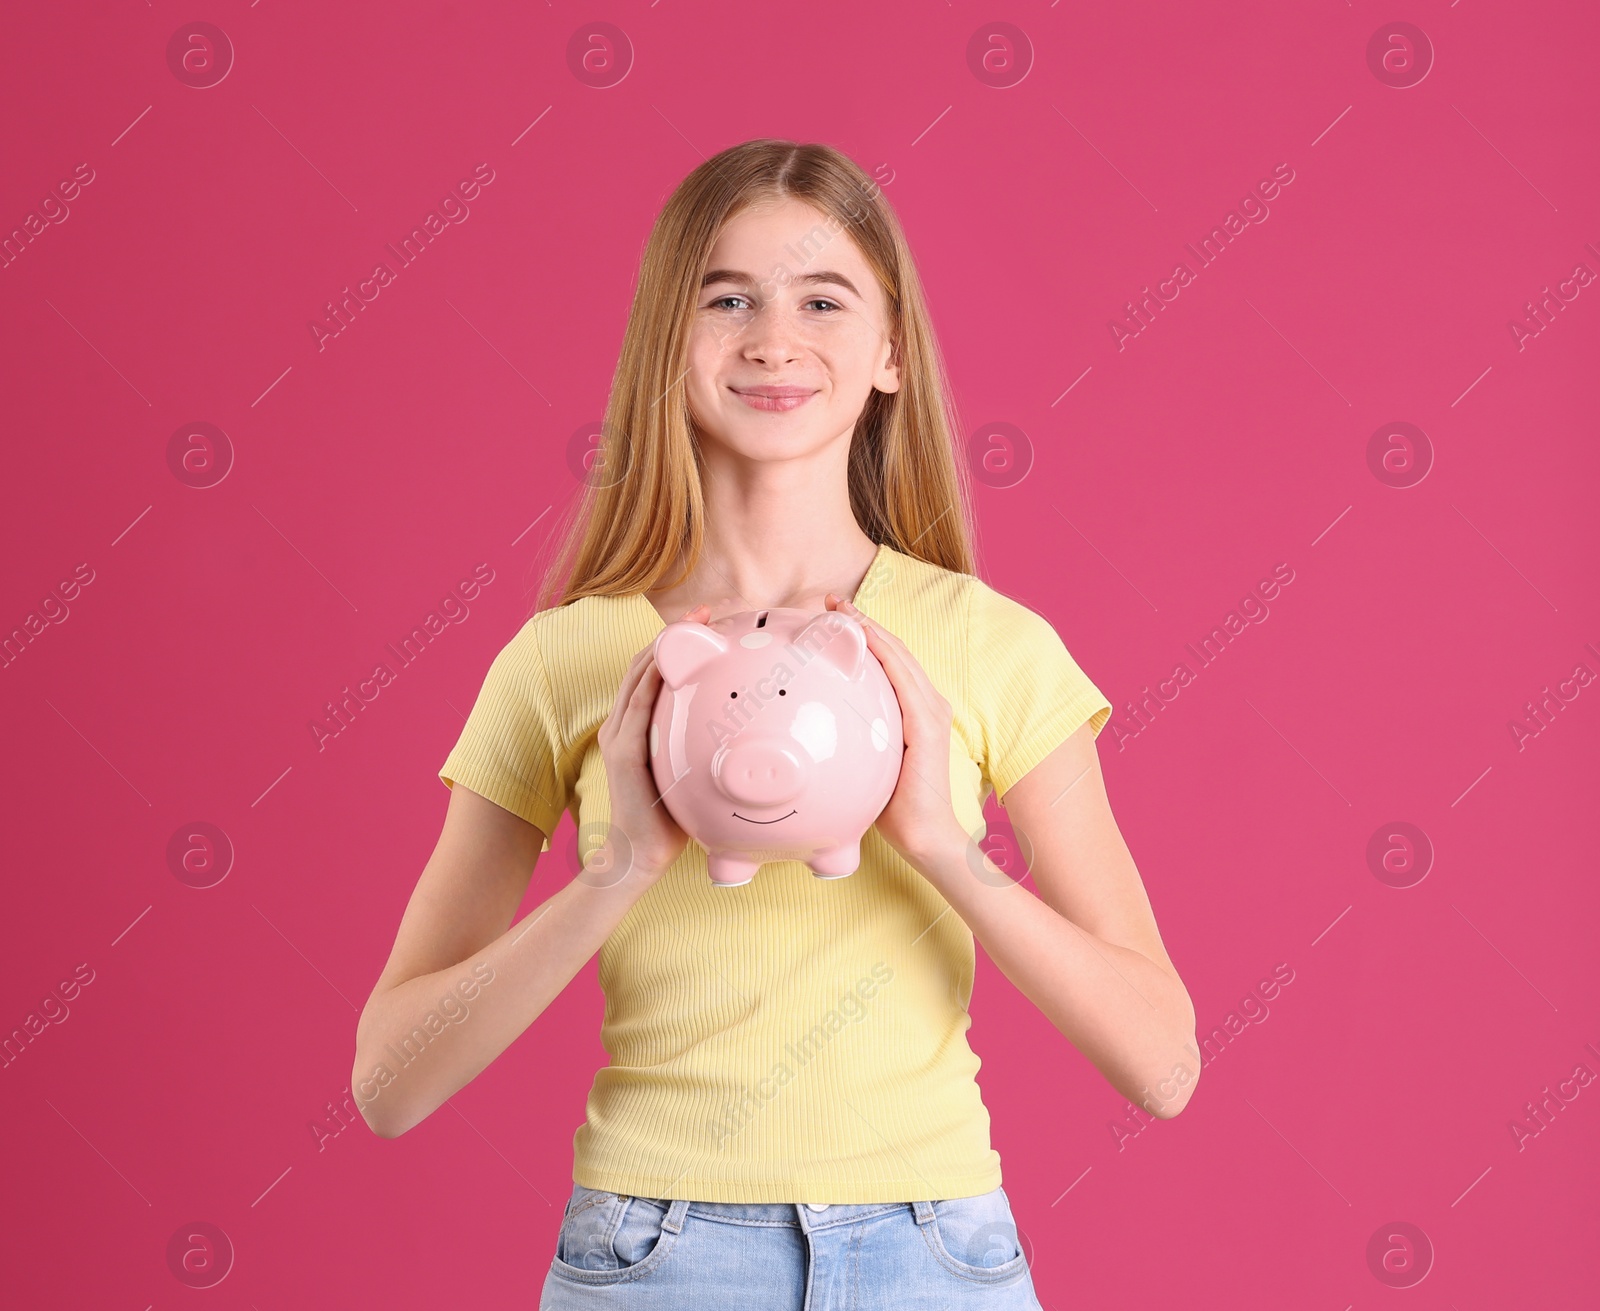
793 1039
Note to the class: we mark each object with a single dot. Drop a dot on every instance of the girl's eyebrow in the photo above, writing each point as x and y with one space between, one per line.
733 275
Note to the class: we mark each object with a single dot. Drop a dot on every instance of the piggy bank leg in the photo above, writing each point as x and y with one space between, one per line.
836 862
730 871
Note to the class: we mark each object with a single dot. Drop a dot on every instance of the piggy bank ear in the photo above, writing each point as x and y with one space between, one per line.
684 648
837 639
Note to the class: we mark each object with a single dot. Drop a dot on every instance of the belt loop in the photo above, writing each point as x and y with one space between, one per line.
923 1212
675 1214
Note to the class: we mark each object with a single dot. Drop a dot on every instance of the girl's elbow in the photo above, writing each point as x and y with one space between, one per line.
1169 1108
1170 1087
378 1099
387 1123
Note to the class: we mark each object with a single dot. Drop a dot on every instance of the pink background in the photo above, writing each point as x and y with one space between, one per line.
1166 479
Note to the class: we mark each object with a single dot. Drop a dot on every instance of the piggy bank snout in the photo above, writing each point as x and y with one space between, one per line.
759 773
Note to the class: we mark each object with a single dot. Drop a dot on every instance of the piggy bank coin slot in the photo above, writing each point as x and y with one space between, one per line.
761 619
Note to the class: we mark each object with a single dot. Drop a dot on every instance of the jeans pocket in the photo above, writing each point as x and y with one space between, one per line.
977 1237
611 1237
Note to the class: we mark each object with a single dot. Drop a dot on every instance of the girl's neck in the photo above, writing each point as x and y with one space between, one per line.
730 577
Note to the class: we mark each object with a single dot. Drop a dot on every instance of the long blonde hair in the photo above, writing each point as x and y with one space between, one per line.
641 506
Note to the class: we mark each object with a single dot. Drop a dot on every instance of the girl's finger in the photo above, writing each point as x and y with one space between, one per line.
884 642
639 658
911 686
642 661
848 607
873 631
642 699
646 654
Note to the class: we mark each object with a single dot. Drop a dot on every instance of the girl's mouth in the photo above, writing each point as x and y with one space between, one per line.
774 398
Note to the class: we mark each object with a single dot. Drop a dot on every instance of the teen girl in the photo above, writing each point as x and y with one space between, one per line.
790 1117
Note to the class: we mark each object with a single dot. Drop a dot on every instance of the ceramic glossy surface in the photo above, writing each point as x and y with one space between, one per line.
776 736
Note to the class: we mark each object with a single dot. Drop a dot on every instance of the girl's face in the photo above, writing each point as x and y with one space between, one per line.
790 334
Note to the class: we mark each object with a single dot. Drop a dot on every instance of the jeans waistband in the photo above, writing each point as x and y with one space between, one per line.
794 1215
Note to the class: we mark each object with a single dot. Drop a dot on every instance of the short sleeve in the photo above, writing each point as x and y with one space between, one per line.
1028 693
510 749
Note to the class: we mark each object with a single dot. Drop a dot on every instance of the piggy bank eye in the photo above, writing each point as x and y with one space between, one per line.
781 692
733 694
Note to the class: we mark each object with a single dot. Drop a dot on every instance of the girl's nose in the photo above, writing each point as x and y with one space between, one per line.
772 338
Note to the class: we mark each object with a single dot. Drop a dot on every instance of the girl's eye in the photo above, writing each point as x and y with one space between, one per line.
721 301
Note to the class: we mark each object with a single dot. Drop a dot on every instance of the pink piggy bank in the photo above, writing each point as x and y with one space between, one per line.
776 736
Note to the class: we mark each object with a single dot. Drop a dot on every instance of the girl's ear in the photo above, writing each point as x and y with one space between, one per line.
887 378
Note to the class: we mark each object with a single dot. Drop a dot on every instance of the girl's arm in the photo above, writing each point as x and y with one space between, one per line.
1086 950
462 981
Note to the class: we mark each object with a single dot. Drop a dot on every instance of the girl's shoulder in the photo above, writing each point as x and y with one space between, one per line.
906 589
916 593
594 634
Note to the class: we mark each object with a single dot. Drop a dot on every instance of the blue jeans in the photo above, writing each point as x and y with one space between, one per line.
660 1254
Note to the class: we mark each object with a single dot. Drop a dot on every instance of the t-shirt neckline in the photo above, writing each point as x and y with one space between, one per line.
878 560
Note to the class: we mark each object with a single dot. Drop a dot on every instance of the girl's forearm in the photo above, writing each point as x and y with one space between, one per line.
1132 1018
420 1042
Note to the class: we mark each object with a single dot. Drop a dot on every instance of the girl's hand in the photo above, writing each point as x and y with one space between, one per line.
919 816
642 837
